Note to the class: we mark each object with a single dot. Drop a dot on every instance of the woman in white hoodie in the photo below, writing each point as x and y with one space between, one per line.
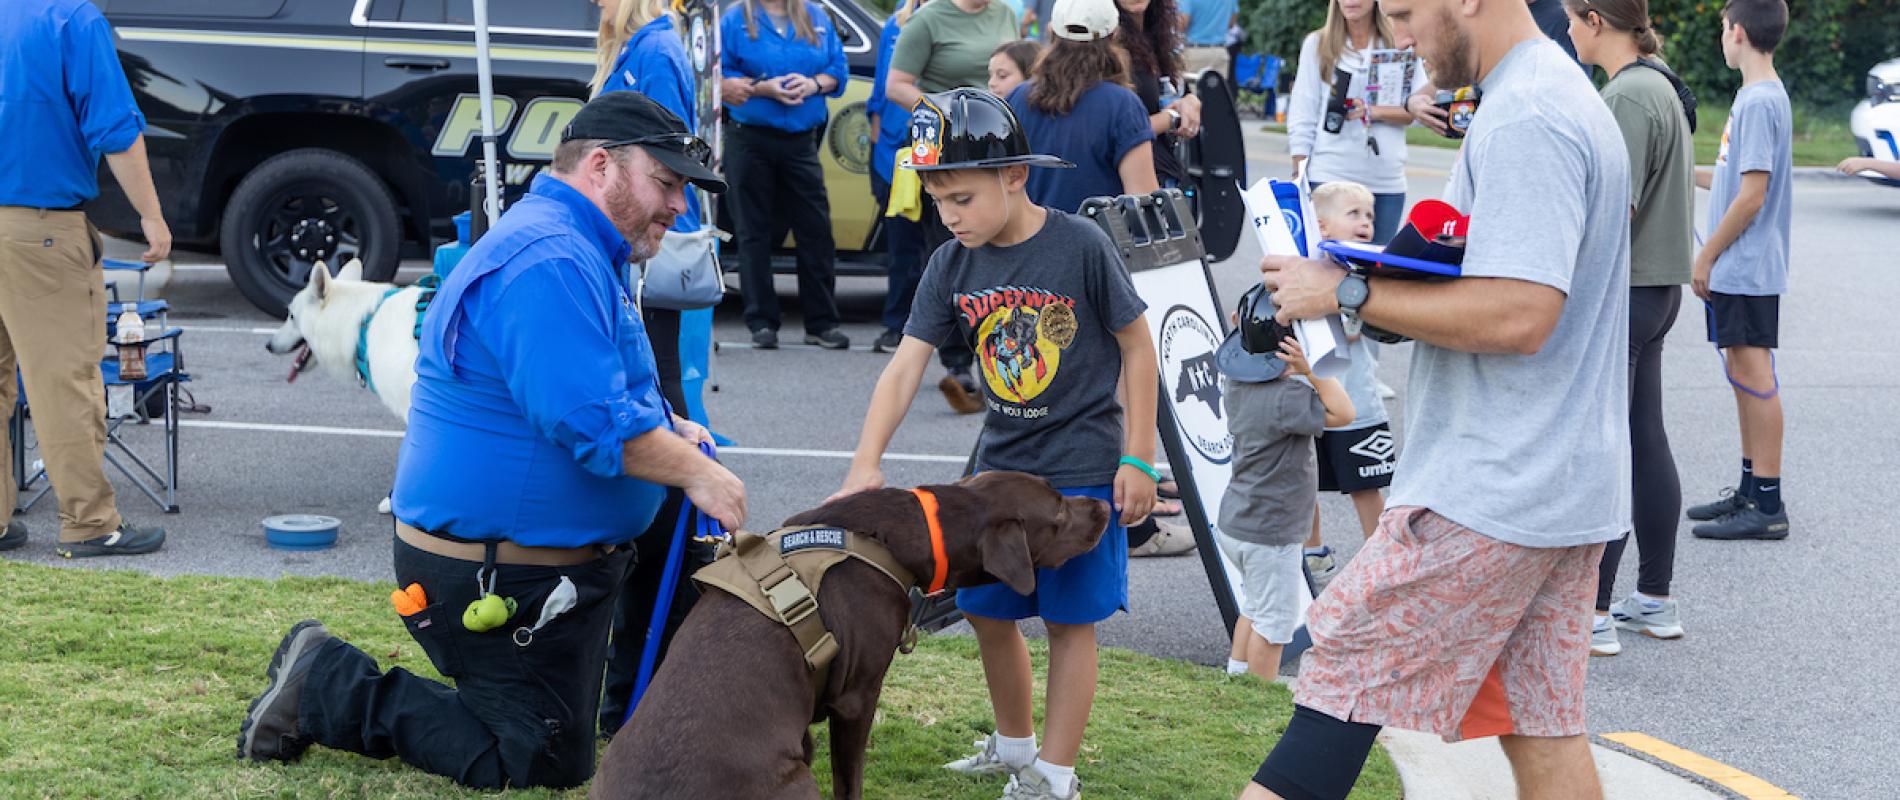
1369 148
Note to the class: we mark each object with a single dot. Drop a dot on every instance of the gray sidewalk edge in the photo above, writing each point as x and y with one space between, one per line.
1430 769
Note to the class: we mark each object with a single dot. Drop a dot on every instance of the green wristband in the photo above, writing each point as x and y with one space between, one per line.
1143 466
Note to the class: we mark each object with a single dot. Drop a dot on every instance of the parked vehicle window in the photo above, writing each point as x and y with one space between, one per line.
217 9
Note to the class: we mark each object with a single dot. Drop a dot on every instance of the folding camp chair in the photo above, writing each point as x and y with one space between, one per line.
1258 76
154 397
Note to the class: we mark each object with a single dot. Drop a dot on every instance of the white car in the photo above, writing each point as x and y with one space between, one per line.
1876 120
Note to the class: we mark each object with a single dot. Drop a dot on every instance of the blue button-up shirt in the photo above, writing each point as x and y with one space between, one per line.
893 120
63 102
772 55
653 63
534 373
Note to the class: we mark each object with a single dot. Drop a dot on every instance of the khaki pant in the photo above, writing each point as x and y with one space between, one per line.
52 327
1198 59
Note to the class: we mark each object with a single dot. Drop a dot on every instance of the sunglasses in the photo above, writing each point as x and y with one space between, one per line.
694 147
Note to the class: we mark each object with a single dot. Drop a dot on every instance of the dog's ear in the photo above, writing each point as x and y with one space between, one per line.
352 271
320 281
1006 555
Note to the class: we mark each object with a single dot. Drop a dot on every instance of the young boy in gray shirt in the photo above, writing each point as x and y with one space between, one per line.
1275 409
1743 268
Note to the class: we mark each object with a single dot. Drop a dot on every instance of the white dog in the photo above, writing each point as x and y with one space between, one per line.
356 330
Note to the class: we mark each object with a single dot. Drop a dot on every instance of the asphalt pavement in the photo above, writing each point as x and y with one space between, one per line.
1785 671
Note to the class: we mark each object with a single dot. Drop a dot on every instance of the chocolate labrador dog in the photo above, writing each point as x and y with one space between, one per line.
729 713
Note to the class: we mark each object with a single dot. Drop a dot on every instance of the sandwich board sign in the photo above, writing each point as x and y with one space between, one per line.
1162 248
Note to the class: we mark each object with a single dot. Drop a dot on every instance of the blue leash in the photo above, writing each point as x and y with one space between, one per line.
1708 313
706 529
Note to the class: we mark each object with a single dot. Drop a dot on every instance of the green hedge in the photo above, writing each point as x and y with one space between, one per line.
1824 58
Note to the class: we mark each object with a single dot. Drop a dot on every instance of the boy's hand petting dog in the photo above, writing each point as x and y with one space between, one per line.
1134 494
1295 358
859 481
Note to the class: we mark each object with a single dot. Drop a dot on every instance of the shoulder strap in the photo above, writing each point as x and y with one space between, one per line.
1683 92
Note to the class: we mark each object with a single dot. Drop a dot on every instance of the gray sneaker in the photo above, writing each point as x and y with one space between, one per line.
269 730
984 762
14 537
126 540
1747 522
1031 784
1322 566
1730 501
1603 639
1661 623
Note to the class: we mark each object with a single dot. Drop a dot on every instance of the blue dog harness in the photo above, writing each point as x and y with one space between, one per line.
429 284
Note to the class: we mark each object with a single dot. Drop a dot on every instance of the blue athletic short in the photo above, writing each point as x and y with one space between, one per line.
1088 589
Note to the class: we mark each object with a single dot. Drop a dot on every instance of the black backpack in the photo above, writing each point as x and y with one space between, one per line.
1682 89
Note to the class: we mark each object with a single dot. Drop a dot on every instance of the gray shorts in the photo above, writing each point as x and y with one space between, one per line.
1272 580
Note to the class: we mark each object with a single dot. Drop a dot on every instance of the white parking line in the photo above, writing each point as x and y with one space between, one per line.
224 329
382 433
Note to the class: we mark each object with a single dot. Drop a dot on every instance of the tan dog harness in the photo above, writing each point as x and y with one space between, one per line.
779 574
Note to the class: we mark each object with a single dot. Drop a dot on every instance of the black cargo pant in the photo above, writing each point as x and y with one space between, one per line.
522 710
778 186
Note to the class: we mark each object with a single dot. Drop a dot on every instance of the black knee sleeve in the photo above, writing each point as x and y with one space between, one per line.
1319 757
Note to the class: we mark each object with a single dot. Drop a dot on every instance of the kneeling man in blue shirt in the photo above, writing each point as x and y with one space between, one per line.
538 446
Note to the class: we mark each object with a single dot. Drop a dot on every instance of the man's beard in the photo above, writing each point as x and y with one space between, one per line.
1451 63
633 221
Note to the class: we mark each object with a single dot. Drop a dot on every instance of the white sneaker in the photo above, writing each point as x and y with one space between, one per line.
984 762
1031 784
1603 639
1171 538
1662 622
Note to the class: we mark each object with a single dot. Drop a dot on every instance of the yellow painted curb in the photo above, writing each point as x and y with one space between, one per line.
1735 780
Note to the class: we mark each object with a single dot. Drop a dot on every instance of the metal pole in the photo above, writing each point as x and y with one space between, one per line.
484 77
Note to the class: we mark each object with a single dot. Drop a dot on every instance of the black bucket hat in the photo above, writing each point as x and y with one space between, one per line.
969 129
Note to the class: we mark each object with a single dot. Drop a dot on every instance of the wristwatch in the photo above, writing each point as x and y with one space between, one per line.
1174 118
1352 294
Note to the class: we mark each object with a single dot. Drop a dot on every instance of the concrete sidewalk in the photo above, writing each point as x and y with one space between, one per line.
1430 769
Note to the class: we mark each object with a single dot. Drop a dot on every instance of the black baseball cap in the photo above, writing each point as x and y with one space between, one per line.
624 118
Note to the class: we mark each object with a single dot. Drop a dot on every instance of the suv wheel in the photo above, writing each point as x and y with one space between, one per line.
302 207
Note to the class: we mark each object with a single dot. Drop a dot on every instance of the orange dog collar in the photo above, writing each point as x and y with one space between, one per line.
941 572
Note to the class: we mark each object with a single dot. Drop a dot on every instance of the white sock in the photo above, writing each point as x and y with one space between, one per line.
1651 603
1061 779
1016 752
1236 667
1601 622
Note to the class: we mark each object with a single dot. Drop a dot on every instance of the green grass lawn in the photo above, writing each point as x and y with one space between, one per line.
117 684
1821 137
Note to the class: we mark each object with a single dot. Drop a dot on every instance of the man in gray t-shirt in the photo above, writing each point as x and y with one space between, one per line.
1467 614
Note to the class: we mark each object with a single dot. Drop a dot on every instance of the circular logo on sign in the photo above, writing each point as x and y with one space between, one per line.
1193 384
700 50
850 138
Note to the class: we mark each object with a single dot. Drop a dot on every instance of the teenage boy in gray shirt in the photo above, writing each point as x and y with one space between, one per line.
1743 268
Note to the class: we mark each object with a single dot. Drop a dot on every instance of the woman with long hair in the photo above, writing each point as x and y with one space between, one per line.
1643 96
1150 31
780 59
640 50
1080 107
1368 148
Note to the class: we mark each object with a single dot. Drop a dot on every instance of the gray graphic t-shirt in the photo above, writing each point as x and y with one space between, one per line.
1534 450
1757 138
1041 316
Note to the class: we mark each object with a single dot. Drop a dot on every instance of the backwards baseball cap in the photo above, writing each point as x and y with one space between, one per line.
626 118
969 129
1084 20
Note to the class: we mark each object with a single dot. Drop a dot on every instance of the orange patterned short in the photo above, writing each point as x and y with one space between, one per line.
1434 627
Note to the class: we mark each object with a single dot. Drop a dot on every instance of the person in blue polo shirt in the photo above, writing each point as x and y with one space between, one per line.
538 446
64 101
781 59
